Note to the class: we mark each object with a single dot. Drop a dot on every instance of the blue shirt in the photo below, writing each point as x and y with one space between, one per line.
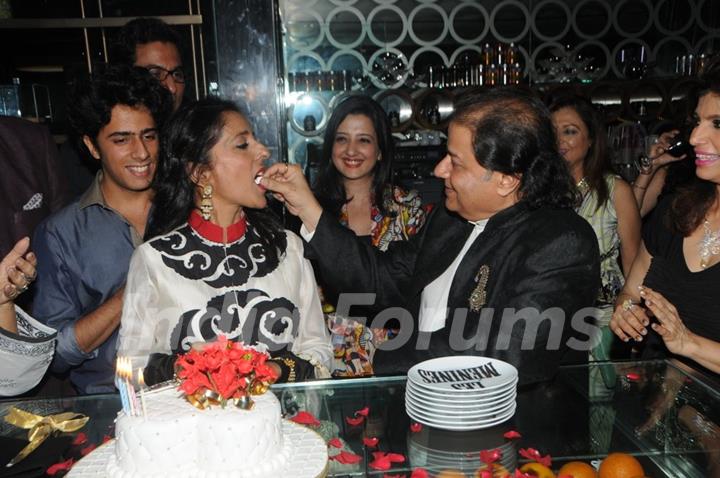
83 256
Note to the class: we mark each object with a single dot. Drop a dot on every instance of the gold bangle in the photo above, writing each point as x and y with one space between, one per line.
290 364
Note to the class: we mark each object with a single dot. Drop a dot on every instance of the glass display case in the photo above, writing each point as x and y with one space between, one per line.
662 413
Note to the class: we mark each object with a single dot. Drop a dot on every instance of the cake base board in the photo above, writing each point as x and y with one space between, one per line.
308 458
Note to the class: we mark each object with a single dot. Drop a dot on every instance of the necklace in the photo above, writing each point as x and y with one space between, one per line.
583 185
709 245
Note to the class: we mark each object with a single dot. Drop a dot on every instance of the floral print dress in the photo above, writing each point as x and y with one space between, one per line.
354 344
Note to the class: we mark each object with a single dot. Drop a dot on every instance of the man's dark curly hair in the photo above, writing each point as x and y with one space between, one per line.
512 133
92 99
139 32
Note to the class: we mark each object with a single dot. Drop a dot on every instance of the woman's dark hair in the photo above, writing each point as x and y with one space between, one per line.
512 133
185 144
595 163
91 99
140 32
328 187
693 200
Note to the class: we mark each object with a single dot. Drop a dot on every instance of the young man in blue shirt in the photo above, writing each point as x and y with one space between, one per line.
84 250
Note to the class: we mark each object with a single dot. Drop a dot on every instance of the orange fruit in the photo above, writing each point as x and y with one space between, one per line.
578 469
450 474
498 471
620 465
537 469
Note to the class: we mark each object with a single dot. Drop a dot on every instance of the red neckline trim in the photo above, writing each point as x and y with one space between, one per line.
213 232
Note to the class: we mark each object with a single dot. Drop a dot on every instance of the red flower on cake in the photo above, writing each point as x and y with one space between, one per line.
365 411
415 427
230 369
335 443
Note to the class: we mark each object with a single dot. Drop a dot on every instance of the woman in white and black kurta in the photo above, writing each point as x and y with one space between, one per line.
229 269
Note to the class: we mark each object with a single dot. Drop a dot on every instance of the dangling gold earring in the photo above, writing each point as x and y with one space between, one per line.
206 205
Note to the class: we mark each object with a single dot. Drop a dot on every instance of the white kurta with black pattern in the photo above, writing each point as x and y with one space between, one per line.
25 355
183 289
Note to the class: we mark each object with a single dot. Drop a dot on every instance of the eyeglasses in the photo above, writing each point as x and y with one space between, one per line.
161 73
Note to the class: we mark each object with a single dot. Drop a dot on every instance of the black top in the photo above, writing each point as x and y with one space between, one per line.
694 294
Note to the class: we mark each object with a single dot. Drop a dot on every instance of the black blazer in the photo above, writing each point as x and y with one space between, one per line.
545 259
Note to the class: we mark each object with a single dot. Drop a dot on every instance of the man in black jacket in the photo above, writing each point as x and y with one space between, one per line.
505 269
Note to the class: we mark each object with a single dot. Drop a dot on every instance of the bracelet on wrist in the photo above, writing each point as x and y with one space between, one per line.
287 365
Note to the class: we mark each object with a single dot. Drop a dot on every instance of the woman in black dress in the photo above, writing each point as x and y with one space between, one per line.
673 284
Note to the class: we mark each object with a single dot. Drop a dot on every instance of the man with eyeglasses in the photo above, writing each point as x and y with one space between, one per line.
152 44
147 43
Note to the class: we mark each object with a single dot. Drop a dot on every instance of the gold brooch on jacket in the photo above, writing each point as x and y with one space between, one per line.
478 297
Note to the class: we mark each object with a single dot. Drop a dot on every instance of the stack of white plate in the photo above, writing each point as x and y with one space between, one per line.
461 392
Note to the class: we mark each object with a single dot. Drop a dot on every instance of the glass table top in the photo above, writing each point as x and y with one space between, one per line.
663 413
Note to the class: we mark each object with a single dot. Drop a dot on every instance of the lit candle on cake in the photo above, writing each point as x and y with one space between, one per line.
119 383
127 372
141 384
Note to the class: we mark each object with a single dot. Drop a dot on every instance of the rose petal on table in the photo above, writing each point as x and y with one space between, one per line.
382 463
632 376
80 439
87 449
415 427
530 453
305 418
419 473
545 460
365 411
371 442
396 457
106 438
335 443
490 456
520 474
353 422
62 466
512 434
346 458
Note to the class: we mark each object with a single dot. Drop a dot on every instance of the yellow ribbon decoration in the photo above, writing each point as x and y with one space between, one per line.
42 427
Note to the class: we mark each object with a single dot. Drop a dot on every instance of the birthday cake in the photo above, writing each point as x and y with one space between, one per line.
176 439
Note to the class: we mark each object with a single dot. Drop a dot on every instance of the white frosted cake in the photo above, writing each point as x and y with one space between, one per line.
177 439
